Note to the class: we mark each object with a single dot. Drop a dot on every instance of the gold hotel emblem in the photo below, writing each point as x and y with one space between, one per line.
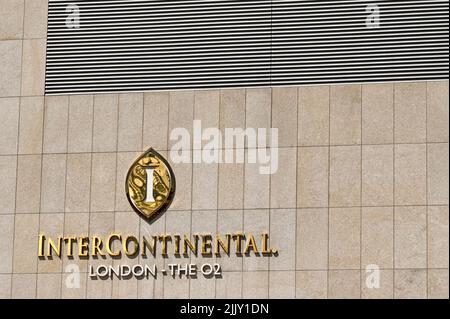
150 184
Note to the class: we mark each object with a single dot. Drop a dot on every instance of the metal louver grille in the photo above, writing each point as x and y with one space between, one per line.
328 42
140 45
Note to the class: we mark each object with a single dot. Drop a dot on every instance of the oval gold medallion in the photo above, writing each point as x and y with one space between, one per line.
150 184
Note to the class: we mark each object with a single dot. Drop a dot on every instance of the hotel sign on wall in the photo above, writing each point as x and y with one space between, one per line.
150 189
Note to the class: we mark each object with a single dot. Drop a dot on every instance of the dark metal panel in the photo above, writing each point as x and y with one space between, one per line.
139 45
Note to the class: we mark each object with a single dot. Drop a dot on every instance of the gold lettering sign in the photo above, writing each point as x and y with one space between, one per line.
118 245
150 184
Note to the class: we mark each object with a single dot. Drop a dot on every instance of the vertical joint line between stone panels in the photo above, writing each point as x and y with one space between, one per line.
296 193
142 150
17 157
243 189
115 175
426 190
394 91
65 180
270 197
329 175
217 189
192 188
360 195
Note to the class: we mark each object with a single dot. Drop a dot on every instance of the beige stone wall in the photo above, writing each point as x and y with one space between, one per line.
363 179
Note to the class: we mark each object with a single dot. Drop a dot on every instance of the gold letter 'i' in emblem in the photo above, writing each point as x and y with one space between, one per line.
150 184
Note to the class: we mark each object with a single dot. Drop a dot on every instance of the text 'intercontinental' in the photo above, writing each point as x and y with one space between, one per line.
117 245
